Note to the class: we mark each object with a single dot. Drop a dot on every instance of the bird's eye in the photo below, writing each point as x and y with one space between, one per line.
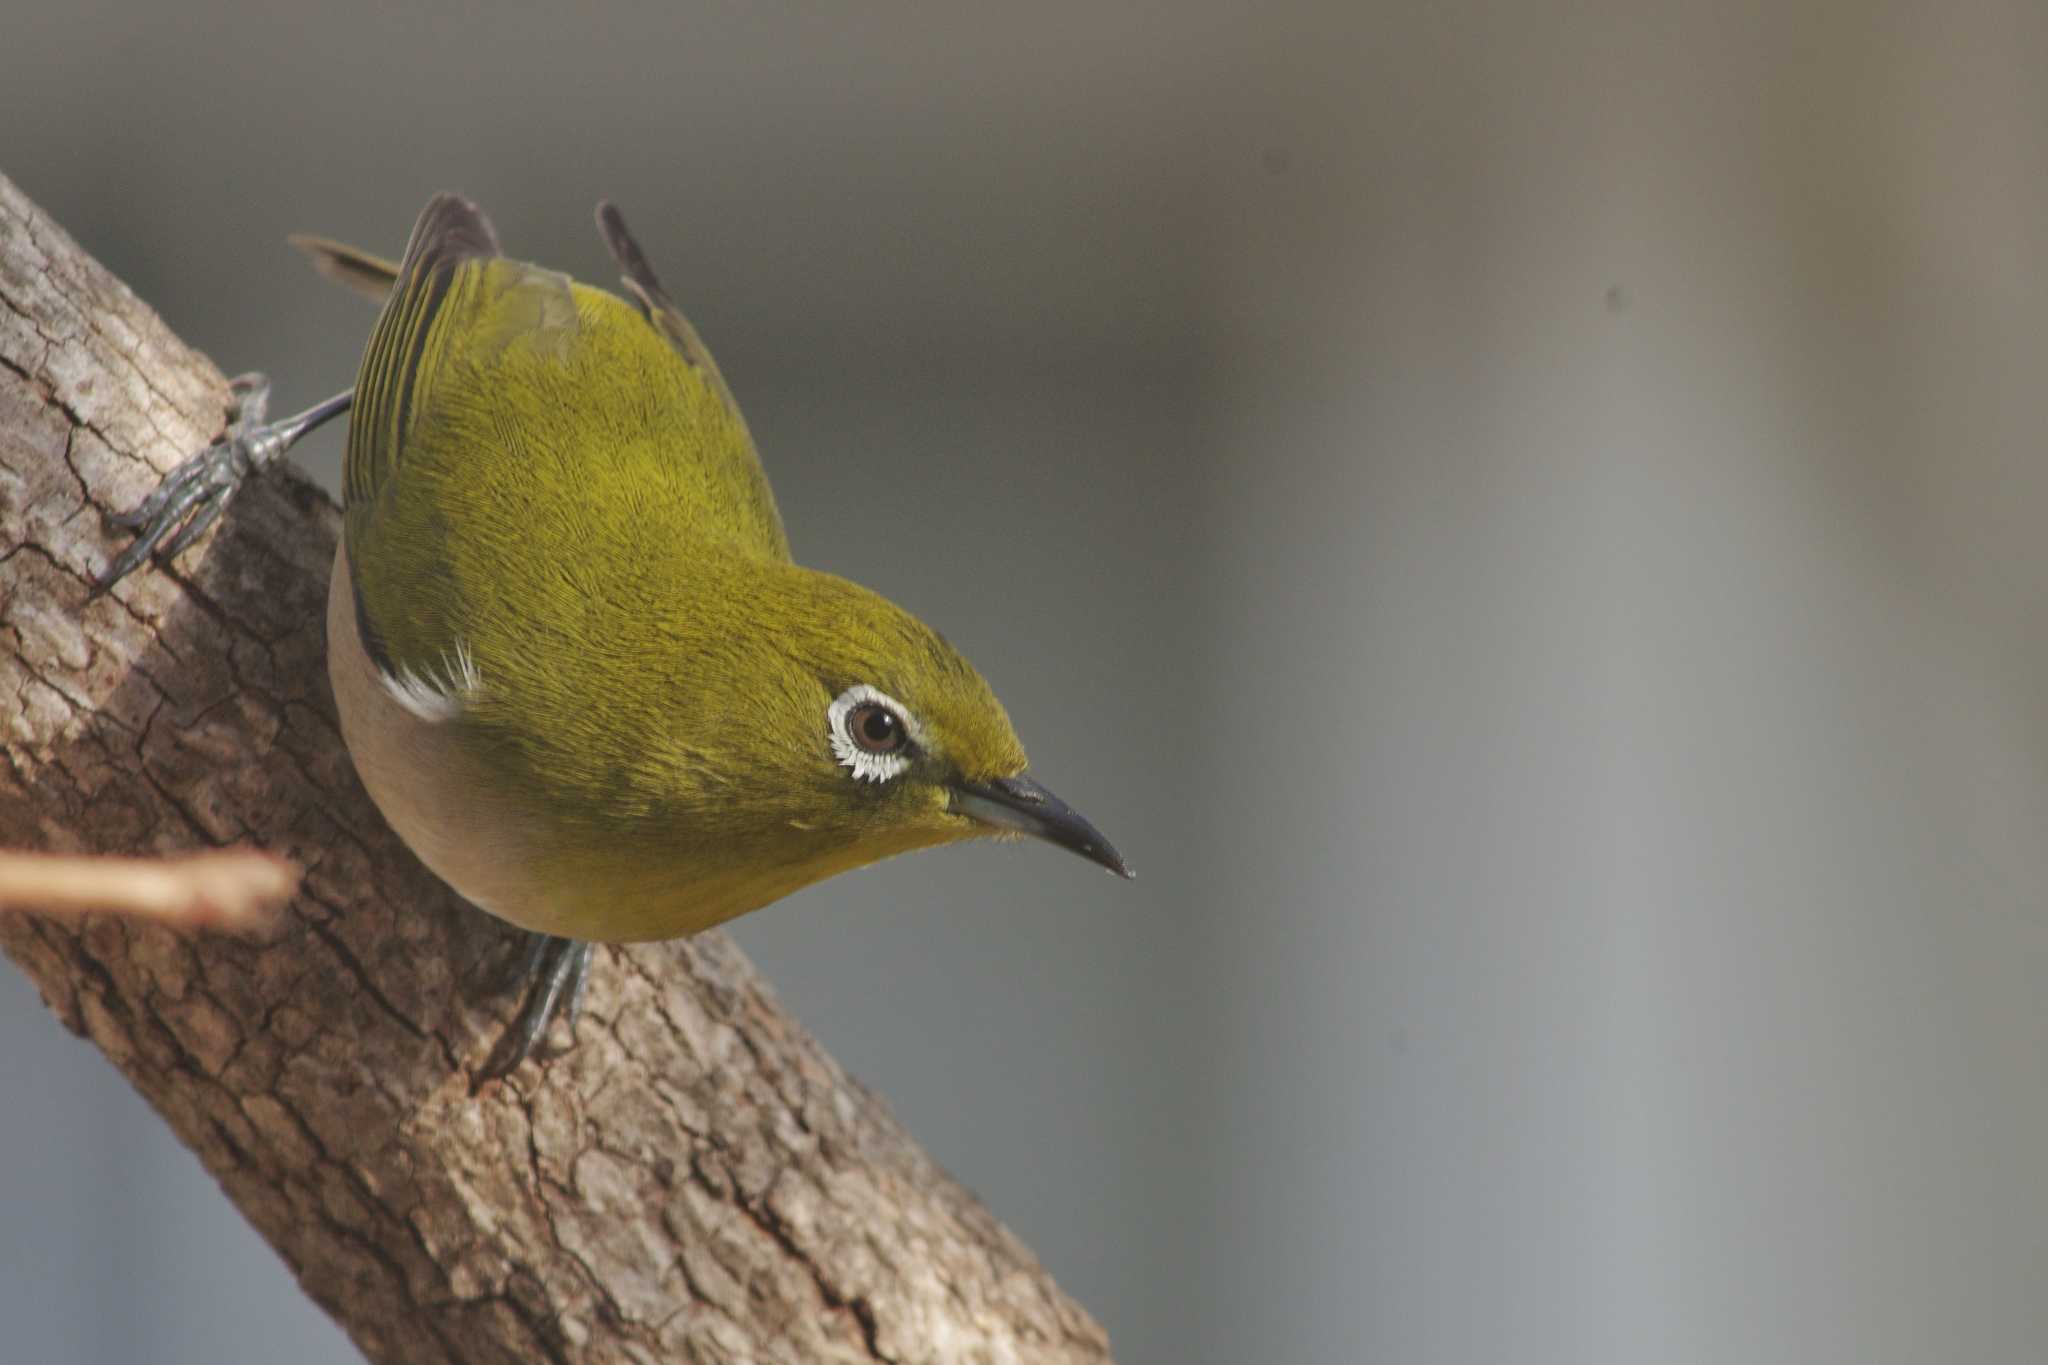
872 733
876 729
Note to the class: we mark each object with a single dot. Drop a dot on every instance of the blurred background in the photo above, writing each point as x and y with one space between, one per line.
1523 521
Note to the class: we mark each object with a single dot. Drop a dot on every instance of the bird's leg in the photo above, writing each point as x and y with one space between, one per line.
557 970
197 491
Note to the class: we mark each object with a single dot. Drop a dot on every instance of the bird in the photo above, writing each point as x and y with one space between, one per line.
575 665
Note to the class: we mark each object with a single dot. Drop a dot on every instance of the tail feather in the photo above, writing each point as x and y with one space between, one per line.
370 276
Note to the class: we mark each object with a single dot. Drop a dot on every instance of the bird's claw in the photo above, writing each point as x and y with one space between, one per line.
194 494
558 970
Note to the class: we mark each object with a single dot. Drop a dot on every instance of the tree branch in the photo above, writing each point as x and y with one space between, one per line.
694 1180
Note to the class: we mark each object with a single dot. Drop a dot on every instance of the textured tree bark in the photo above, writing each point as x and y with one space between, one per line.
694 1180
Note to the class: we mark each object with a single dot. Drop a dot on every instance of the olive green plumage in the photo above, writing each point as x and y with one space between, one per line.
572 659
555 517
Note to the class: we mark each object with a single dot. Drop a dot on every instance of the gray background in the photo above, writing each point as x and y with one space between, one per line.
1523 522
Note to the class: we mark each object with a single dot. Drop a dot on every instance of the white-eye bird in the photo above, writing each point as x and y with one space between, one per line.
575 665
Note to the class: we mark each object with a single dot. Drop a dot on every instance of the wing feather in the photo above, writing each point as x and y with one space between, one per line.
496 395
655 305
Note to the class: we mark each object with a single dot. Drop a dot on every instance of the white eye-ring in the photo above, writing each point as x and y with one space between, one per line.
872 733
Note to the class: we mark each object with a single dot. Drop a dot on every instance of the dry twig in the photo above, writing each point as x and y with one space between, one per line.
237 889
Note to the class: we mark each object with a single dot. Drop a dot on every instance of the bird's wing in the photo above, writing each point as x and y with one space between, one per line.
449 286
497 397
428 300
451 231
744 492
372 276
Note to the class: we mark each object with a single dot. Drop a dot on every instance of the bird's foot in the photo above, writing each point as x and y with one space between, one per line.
557 971
193 495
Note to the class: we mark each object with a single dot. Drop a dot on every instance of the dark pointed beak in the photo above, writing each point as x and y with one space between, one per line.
1021 804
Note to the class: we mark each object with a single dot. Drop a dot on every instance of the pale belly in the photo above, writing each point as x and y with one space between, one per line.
433 794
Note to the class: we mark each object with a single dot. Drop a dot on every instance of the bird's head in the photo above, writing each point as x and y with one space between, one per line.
862 733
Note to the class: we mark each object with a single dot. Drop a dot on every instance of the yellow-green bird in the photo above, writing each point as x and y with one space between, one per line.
575 665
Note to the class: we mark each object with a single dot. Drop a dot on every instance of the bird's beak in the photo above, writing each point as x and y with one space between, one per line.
1021 804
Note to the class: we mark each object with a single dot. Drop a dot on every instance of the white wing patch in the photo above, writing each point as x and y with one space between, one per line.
436 695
